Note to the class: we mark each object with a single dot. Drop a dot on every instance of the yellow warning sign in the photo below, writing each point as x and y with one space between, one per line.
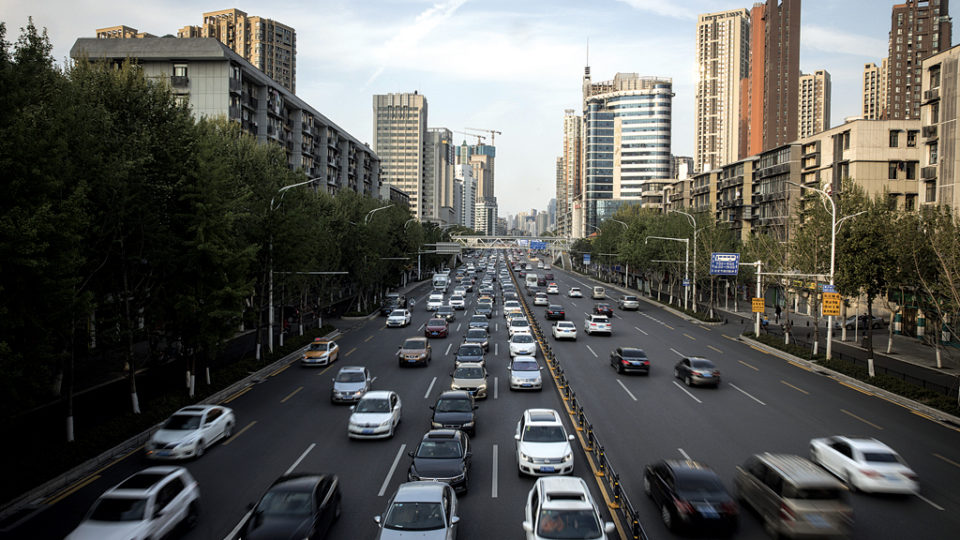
758 305
831 304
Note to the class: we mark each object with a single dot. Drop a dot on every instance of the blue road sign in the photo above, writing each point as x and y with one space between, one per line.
686 283
586 258
724 264
538 244
826 287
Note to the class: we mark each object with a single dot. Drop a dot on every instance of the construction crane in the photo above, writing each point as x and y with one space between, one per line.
480 138
493 134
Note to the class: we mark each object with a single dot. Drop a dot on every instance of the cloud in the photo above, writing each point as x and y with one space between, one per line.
832 40
664 8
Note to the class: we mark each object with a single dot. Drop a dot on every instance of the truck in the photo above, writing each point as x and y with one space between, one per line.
441 282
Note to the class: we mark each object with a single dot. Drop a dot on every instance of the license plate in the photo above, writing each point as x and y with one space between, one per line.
163 453
367 431
817 520
548 469
527 385
707 375
707 511
412 360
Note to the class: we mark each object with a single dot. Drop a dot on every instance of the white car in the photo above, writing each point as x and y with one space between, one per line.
434 301
525 374
563 508
152 503
460 291
864 464
575 292
541 299
553 289
518 325
375 416
546 266
511 306
398 318
564 330
457 302
522 343
543 446
190 431
597 323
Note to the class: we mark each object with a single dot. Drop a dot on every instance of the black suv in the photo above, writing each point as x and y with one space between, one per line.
455 409
444 455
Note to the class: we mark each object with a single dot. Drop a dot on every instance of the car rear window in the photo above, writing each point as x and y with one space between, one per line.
880 457
812 494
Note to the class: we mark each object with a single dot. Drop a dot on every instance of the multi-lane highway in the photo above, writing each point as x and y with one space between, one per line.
287 423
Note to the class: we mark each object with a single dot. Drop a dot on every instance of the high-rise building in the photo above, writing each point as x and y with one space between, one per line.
438 174
814 103
918 29
681 167
485 221
723 59
874 90
467 194
570 183
940 157
627 140
399 138
483 159
770 95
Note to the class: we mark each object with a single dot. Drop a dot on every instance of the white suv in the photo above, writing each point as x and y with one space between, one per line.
435 301
150 504
511 306
597 323
563 504
543 446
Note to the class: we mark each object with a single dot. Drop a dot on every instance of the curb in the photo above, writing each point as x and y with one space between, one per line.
36 496
936 415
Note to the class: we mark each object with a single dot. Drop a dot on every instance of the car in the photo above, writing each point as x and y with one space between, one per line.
510 295
320 352
457 302
446 313
603 309
350 384
399 318
575 292
460 290
484 308
628 302
470 352
443 455
543 446
434 301
302 505
375 416
564 330
860 321
471 377
525 374
486 299
522 344
555 312
424 509
190 431
478 336
436 328
518 324
539 264
512 307
864 464
532 290
391 304
152 503
454 409
563 508
597 324
697 371
625 359
479 321
553 289
599 292
397 298
413 351
689 495
541 299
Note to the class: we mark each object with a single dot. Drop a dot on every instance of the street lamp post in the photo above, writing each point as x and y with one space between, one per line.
366 219
686 264
626 267
693 224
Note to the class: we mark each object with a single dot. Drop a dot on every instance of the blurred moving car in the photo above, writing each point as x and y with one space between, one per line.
479 336
625 359
434 301
628 302
470 352
689 496
190 431
594 324
444 456
522 344
697 371
555 312
541 299
375 416
864 464
860 321
454 409
518 325
398 318
415 350
446 313
471 377
436 328
303 505
575 292
426 510
553 289
603 309
350 384
563 508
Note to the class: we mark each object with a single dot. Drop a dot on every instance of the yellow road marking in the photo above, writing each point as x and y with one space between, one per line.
728 337
714 348
350 351
689 336
795 388
748 365
277 372
73 489
668 326
921 415
284 400
239 433
368 338
794 364
758 349
844 411
324 370
948 460
852 387
238 394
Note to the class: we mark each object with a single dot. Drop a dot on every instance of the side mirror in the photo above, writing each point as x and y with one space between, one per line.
475 407
432 407
527 526
158 514
570 437
516 436
609 527
410 453
377 519
454 520
352 407
469 454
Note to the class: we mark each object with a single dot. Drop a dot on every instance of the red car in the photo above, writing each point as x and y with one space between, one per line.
603 309
436 328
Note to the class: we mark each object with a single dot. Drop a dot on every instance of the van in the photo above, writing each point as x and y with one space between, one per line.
794 497
531 279
598 292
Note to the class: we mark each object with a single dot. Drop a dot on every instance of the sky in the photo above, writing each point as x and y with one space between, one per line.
512 66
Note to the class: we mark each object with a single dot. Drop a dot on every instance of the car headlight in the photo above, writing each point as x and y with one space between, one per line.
436 425
468 424
568 456
454 386
482 386
524 457
385 423
458 477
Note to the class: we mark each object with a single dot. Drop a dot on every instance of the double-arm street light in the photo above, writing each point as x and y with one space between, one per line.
693 224
686 264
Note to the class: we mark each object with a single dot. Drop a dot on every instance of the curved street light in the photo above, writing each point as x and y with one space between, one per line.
366 218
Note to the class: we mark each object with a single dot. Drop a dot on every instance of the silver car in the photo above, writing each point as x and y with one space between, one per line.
525 374
350 384
425 510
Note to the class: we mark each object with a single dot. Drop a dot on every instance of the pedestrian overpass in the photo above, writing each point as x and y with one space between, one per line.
557 246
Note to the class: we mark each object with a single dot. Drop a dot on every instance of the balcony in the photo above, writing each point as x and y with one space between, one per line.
928 173
235 86
931 95
234 112
929 132
180 82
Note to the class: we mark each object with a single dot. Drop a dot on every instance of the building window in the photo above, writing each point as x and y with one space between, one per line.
911 168
894 138
912 138
935 112
935 76
892 170
930 192
932 153
179 70
846 140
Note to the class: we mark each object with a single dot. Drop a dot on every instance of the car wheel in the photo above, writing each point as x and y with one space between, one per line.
228 430
193 515
851 483
666 516
200 448
688 381
620 369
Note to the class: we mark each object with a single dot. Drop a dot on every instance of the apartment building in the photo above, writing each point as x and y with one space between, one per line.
813 113
399 138
874 98
121 32
940 145
438 172
918 29
570 174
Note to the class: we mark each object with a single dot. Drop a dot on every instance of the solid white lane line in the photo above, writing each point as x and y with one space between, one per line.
449 345
591 352
236 530
299 459
641 331
574 304
685 455
617 316
496 386
393 468
746 394
429 388
928 501
687 392
458 326
493 485
678 352
629 393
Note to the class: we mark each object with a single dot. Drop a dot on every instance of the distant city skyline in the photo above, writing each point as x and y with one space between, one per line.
532 57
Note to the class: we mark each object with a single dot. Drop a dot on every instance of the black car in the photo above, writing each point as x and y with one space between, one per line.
603 309
454 409
478 336
630 359
510 295
690 495
484 309
446 313
555 313
296 506
390 305
532 290
470 352
444 455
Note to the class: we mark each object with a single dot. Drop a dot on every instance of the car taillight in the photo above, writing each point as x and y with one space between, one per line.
786 513
683 506
871 473
624 361
912 476
729 508
697 373
646 362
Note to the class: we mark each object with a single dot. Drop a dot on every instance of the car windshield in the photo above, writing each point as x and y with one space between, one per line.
413 344
811 494
633 353
454 405
396 313
478 318
350 376
470 350
701 364
118 509
439 449
522 338
518 322
629 298
414 516
525 366
565 325
373 405
286 503
437 322
699 486
183 422
881 457
476 334
568 524
543 434
468 373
